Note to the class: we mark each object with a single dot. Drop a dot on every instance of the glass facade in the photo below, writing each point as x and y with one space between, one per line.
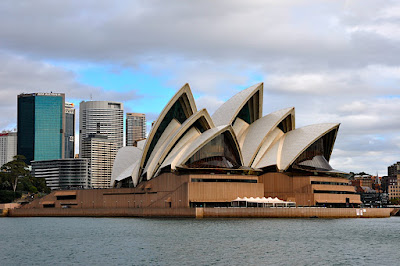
220 152
40 123
249 112
26 127
48 127
177 112
69 131
244 113
314 157
62 174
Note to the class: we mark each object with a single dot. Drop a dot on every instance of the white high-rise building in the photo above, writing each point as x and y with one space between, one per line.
8 147
101 153
135 128
100 118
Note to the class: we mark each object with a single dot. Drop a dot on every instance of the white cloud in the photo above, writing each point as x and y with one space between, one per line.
335 61
19 74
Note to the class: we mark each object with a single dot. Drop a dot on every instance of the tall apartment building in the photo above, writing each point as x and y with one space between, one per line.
393 176
69 130
62 174
8 147
135 128
100 137
41 126
100 152
394 190
394 170
101 117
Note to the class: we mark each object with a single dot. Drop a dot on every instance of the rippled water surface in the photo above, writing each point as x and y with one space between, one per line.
134 241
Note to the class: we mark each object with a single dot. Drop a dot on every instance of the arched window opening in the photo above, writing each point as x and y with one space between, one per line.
220 152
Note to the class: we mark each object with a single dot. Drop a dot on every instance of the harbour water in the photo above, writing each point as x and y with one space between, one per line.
135 241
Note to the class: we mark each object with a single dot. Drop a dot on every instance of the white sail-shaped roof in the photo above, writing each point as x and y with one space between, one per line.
202 117
257 133
180 156
284 152
226 113
125 158
140 144
169 131
239 127
180 107
180 148
203 139
126 173
182 138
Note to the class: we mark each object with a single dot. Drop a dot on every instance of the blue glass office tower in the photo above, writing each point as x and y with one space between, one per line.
41 123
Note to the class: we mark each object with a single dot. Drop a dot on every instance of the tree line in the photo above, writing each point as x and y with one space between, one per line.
16 179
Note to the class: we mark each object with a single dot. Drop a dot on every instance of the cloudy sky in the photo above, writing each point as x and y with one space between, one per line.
335 61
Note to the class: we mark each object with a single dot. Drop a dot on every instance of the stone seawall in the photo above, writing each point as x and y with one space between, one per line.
293 213
205 212
104 212
3 212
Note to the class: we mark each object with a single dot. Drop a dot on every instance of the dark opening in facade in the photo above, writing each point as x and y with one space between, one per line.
220 152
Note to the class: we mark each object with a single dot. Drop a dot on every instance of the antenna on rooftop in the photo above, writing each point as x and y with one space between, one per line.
91 97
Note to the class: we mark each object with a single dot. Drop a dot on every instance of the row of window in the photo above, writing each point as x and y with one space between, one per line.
329 183
224 180
334 192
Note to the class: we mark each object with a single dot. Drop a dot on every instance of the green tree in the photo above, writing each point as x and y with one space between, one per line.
395 201
15 170
362 173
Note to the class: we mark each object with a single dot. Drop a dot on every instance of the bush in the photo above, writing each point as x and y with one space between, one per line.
7 196
395 201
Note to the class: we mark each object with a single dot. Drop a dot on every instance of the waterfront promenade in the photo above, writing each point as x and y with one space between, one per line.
304 212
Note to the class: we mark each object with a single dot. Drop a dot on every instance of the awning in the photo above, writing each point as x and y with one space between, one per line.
262 200
65 193
48 202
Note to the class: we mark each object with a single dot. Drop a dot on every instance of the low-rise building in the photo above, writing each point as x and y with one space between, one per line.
394 191
62 173
363 180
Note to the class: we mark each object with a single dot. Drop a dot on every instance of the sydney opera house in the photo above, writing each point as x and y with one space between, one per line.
191 161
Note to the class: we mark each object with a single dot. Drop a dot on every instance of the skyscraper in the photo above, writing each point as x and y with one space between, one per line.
101 117
69 130
101 152
100 136
135 127
41 126
8 146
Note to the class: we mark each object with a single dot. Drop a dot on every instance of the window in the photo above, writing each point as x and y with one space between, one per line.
220 152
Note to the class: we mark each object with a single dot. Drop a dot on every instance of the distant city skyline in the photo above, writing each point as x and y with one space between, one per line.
336 61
